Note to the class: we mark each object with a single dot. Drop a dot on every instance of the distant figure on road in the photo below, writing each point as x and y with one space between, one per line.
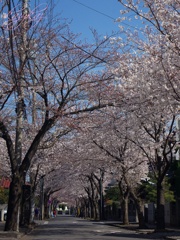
36 211
54 213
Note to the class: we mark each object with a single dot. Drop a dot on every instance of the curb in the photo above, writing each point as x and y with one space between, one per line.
173 238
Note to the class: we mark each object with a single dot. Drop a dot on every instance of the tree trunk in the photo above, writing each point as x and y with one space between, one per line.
91 208
125 208
32 209
46 207
140 210
96 205
124 195
15 193
160 207
25 206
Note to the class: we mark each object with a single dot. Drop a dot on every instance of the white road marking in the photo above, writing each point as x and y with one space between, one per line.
115 231
105 230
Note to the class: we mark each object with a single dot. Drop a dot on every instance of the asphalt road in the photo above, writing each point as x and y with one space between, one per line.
71 228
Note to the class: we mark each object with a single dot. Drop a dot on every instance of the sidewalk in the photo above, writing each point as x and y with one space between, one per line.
8 235
168 233
15 235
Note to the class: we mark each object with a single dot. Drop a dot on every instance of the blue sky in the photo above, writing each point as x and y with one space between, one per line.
101 18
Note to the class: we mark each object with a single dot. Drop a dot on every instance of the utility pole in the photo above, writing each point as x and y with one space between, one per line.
101 195
21 29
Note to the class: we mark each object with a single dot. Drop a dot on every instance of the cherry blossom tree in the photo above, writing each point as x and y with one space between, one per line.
157 36
130 164
88 168
151 116
100 142
149 74
47 78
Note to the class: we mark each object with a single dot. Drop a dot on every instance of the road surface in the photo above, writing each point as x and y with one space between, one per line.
71 228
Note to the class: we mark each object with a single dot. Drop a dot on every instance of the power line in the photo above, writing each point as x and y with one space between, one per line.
94 10
104 14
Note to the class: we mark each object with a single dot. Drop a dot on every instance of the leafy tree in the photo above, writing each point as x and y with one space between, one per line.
112 193
149 193
4 194
174 178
